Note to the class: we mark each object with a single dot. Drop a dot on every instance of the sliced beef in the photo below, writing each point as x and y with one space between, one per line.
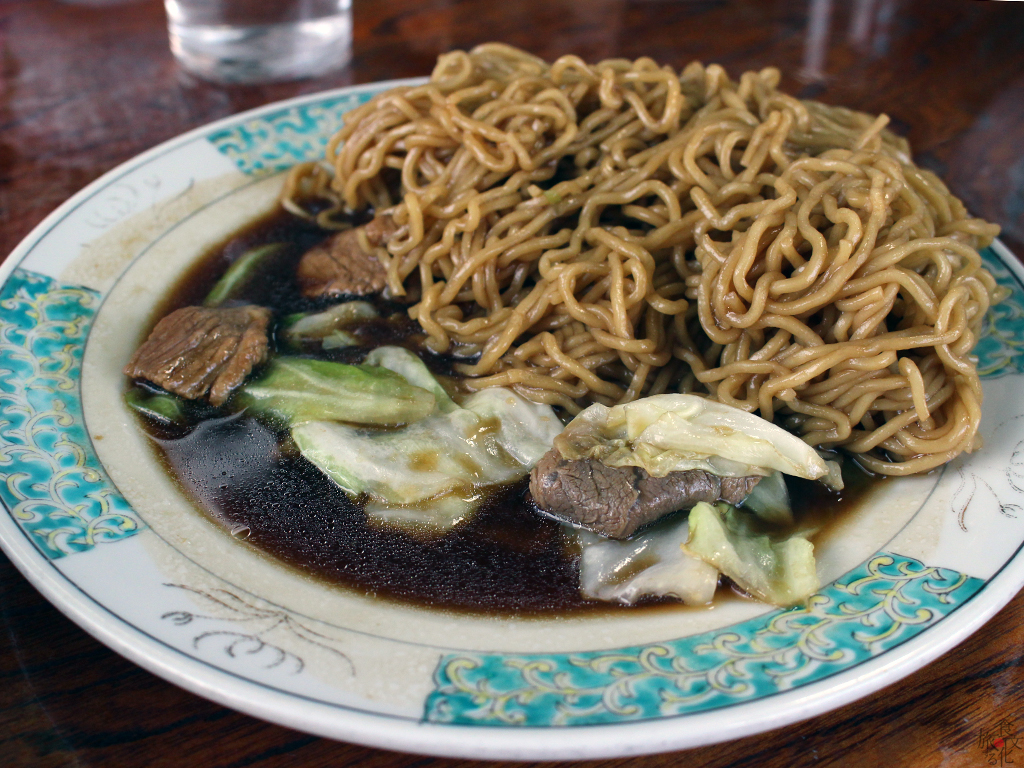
340 266
616 501
196 352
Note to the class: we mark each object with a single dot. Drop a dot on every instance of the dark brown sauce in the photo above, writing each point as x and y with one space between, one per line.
507 560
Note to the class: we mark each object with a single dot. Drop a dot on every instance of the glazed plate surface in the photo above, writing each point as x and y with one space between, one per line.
94 522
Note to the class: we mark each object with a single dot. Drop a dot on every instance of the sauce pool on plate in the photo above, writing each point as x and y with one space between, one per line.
507 559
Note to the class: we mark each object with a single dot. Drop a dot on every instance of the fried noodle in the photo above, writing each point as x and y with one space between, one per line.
602 232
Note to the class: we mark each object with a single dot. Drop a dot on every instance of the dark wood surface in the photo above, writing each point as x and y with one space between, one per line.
87 85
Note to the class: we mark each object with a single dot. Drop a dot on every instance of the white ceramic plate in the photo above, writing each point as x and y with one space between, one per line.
96 525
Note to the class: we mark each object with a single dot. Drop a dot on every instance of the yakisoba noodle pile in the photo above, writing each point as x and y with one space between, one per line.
600 232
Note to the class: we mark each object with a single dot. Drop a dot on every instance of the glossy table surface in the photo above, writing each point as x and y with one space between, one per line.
87 85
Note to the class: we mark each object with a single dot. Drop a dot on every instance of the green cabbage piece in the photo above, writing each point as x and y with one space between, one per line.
675 433
162 408
770 500
297 389
651 564
328 325
242 272
408 365
339 340
430 474
776 570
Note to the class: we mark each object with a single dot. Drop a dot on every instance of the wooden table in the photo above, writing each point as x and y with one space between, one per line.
87 85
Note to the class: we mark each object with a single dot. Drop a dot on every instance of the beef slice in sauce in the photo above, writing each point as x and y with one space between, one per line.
616 501
340 266
199 352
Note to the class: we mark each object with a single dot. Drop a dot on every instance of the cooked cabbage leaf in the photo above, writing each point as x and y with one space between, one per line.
430 473
674 433
651 564
161 407
243 271
339 339
409 366
770 500
775 570
328 325
297 389
430 516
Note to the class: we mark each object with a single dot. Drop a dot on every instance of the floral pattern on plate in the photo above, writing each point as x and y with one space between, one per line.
1001 347
51 480
882 603
277 141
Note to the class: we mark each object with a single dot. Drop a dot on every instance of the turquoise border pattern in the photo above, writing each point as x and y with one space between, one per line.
878 605
277 141
50 479
1000 349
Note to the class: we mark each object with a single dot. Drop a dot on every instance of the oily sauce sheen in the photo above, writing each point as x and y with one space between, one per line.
248 477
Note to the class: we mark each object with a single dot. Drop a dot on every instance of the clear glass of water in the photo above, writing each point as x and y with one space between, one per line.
256 41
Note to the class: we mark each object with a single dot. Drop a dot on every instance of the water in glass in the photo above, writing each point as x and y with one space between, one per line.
248 41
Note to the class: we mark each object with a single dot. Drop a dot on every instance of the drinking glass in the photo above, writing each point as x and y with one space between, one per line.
252 41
